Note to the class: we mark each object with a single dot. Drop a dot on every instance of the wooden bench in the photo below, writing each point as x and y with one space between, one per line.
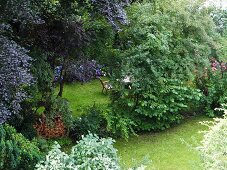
105 85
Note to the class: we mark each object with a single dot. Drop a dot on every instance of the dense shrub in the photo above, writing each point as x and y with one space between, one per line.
91 152
95 153
23 124
213 147
55 120
93 121
38 93
56 159
164 45
213 86
219 16
16 152
55 107
45 145
42 73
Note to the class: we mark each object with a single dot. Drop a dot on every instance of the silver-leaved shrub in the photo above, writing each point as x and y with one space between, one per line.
90 153
214 145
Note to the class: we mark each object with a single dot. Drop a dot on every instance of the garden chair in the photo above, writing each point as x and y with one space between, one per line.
105 85
127 81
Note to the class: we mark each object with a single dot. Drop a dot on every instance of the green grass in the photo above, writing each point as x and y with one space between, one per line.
82 96
168 150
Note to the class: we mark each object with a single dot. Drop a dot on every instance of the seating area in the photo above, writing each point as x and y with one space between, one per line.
106 86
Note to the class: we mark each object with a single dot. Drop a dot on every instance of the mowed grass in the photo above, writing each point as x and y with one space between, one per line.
81 96
172 149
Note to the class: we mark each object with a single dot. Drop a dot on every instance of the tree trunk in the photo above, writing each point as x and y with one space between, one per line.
61 88
62 78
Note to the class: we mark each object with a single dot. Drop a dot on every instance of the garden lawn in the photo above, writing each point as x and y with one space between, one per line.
82 96
168 150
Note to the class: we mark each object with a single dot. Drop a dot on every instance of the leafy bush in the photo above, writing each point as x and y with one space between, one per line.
41 71
95 153
91 152
45 145
213 86
57 106
164 45
38 92
16 152
213 147
56 159
120 123
24 124
92 121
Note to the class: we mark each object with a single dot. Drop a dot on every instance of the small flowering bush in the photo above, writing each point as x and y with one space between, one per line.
214 145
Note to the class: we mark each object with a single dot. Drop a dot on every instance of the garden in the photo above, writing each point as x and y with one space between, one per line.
113 85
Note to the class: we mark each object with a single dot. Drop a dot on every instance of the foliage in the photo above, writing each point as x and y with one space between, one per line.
14 73
23 11
214 87
223 49
57 106
113 10
16 151
92 121
213 147
91 152
42 73
56 159
95 153
119 123
164 45
38 93
103 37
219 16
23 123
45 145
83 71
